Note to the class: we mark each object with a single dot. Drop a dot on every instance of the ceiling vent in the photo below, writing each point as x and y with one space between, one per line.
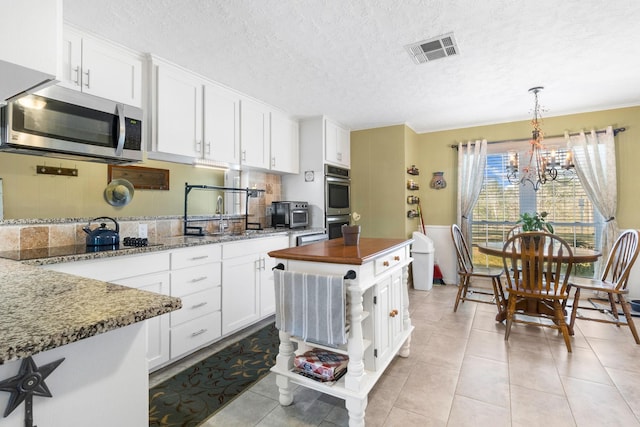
432 49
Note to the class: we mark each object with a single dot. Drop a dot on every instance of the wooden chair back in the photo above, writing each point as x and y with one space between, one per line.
465 262
621 258
537 264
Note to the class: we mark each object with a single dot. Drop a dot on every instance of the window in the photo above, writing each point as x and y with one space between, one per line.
500 203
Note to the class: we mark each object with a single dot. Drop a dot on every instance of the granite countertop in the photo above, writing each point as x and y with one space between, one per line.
41 310
49 256
335 251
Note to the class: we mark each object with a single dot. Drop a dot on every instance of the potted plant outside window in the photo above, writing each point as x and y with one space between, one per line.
535 222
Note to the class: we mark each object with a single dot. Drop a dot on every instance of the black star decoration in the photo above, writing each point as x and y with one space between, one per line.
28 383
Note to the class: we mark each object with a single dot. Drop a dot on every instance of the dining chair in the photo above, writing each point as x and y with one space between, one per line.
537 265
516 229
613 282
467 271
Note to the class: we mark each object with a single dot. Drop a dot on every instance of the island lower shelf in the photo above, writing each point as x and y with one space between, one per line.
338 388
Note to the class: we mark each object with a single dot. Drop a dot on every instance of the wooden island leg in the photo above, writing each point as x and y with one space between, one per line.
284 362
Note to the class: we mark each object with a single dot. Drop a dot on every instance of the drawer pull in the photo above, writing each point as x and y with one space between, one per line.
195 258
199 279
396 258
200 332
386 263
202 304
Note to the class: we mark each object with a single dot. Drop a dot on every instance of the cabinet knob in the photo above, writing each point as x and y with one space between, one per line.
386 263
396 258
393 313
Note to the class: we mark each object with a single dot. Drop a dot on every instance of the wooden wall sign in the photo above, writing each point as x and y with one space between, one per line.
142 178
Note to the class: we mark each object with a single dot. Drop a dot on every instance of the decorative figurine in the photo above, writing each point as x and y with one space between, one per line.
437 181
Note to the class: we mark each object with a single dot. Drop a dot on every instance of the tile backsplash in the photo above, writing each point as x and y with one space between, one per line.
41 233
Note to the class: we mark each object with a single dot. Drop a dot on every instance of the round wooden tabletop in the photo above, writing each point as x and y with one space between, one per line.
579 254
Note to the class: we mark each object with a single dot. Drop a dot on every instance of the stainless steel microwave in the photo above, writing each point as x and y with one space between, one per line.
64 123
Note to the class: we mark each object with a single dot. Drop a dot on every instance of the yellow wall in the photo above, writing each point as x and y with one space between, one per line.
431 152
378 180
29 195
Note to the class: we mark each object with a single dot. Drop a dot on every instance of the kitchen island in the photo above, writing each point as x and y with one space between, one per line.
96 327
376 273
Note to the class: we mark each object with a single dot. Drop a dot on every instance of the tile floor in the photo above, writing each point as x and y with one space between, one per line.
461 372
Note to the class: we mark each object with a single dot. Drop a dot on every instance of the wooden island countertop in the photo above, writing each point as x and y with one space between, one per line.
334 251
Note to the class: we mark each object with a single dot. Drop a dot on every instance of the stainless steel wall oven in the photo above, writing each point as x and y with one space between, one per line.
337 197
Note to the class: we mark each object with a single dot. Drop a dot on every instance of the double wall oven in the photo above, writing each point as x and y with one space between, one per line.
337 197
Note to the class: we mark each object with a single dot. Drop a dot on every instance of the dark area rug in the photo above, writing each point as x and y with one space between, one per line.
193 395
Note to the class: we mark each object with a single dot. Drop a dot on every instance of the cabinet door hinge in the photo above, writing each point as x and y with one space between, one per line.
375 352
375 300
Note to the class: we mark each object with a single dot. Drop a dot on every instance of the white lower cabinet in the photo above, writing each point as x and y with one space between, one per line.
196 280
157 327
195 275
146 271
247 281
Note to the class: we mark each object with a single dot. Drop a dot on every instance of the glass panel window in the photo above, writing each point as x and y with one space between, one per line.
564 199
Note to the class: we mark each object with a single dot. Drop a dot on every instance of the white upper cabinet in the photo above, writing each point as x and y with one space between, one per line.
284 144
178 112
100 68
30 55
337 147
254 134
221 124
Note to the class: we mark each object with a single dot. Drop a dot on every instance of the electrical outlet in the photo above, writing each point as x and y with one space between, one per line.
142 231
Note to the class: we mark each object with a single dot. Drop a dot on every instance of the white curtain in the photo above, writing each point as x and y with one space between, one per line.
594 156
472 160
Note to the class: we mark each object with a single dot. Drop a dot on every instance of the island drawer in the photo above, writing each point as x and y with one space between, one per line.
196 305
195 279
196 333
197 255
390 260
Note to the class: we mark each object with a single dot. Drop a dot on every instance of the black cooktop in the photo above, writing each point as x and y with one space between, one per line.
55 251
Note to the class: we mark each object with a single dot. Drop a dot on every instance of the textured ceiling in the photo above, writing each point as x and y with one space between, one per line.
346 59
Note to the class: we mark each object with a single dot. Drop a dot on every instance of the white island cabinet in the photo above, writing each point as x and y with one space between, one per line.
82 340
378 314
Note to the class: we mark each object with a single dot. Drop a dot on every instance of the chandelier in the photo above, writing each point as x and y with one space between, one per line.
543 163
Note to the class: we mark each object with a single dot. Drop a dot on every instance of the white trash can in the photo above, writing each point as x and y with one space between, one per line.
422 251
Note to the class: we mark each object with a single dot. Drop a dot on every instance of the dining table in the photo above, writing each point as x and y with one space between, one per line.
580 255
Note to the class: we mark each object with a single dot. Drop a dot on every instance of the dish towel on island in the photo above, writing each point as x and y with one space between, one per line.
311 306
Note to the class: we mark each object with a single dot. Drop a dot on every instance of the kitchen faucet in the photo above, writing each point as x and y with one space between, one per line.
221 225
